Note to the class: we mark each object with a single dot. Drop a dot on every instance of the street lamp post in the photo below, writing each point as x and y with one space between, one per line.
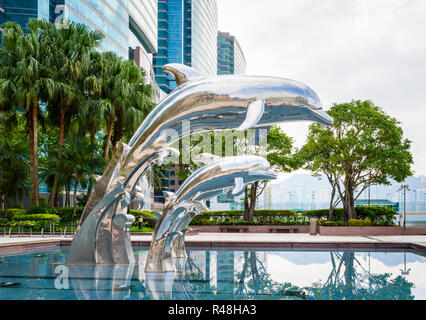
424 201
403 219
368 196
313 200
415 200
290 196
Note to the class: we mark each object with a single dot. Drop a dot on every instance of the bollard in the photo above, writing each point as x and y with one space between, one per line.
140 220
313 227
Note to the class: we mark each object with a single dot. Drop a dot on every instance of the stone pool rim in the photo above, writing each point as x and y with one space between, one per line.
33 246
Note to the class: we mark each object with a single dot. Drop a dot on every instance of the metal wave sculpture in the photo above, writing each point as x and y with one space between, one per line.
220 176
209 103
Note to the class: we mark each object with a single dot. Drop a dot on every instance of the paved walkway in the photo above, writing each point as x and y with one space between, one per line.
247 237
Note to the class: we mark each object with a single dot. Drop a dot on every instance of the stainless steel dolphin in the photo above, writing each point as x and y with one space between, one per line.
208 103
217 177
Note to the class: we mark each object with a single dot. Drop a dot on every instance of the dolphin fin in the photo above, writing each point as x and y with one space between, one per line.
254 114
238 186
201 206
184 232
157 214
204 158
183 73
170 197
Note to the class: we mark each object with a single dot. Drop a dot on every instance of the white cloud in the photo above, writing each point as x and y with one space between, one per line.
363 49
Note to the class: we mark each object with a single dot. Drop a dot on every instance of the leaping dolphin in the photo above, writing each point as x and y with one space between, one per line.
208 103
213 103
217 177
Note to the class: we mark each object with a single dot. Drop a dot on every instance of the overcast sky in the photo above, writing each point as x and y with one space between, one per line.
343 49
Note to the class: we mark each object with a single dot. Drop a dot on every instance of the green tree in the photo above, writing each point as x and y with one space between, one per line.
365 146
72 45
24 80
279 151
129 96
14 169
79 163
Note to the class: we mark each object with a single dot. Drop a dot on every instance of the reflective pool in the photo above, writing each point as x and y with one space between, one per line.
223 274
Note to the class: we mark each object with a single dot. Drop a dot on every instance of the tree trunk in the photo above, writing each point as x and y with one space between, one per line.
118 131
108 138
92 143
253 199
33 132
67 194
246 204
349 202
6 203
75 198
250 206
331 208
53 200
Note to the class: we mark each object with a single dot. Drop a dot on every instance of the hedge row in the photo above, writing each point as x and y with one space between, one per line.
374 215
148 217
62 212
36 217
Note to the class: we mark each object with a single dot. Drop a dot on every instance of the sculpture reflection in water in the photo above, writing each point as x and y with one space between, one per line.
101 282
218 176
247 275
208 103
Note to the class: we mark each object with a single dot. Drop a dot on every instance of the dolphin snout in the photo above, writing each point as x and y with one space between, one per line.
271 174
322 117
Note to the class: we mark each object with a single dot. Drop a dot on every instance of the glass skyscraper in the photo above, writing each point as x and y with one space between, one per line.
230 56
129 27
22 10
123 22
187 32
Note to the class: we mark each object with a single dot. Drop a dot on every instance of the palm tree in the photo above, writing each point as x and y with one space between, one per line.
13 170
73 46
79 163
130 98
82 162
24 79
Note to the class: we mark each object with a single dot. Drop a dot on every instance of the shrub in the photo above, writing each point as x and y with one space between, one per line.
35 217
81 201
143 213
9 213
326 223
359 222
26 223
377 215
261 217
42 203
66 212
18 205
148 217
37 210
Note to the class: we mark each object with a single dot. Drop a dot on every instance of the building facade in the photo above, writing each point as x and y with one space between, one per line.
187 35
125 24
129 28
22 10
230 55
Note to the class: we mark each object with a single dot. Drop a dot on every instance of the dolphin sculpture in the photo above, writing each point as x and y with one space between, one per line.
208 103
217 177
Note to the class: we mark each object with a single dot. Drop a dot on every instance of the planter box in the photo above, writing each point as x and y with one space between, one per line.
252 229
371 231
